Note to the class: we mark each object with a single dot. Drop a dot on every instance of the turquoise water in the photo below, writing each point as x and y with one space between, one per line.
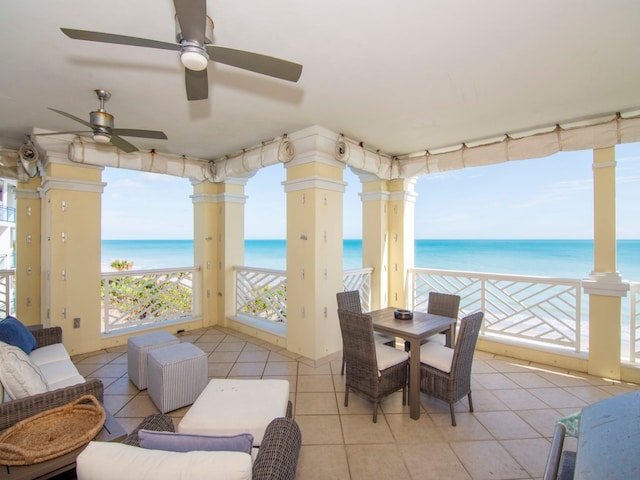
550 258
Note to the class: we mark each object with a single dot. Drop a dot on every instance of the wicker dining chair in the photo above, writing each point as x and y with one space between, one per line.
445 373
446 305
373 370
350 300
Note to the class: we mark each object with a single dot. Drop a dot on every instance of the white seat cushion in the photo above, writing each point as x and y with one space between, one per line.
49 354
230 407
380 338
114 461
436 355
440 338
61 374
389 356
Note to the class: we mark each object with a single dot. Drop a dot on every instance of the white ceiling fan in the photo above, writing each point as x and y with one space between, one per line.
193 41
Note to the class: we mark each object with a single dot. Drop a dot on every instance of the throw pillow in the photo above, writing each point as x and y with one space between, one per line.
13 332
186 442
20 378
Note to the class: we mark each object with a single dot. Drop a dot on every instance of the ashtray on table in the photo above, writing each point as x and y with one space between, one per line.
402 314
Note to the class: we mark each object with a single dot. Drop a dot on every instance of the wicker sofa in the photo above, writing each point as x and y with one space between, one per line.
276 459
13 411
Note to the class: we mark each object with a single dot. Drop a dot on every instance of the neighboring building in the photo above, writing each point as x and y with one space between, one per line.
7 223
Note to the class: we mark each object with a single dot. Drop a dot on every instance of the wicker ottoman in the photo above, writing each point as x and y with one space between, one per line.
230 407
137 349
176 374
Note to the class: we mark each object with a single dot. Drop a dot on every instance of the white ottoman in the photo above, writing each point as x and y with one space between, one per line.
137 349
176 374
230 407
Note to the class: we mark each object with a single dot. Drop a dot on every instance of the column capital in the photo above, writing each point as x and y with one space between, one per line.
608 284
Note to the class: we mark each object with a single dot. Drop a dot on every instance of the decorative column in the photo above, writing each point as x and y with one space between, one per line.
315 190
71 218
375 236
28 252
218 245
402 199
604 285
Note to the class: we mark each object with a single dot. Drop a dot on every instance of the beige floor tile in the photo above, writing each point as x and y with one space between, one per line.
225 346
407 430
280 368
101 358
432 461
519 399
86 369
223 356
358 405
309 370
206 347
529 380
486 460
589 394
504 364
322 462
467 427
376 462
483 401
111 370
557 398
393 404
492 381
360 429
253 356
315 383
320 429
247 370
543 421
562 379
121 386
481 366
113 403
140 406
219 370
316 404
530 453
506 425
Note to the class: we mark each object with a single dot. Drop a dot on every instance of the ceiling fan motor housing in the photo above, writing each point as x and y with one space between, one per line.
101 119
208 31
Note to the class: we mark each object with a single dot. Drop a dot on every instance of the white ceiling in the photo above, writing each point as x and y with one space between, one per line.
400 76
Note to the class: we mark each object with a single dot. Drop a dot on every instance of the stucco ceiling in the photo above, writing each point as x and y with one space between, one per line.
400 76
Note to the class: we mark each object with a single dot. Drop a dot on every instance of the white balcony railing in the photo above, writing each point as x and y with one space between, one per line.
135 298
261 294
634 322
359 279
7 294
547 311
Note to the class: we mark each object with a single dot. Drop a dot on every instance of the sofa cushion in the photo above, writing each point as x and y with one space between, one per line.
436 355
186 442
48 354
110 461
13 332
62 373
20 378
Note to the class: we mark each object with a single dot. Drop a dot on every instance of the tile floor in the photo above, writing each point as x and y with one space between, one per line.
508 436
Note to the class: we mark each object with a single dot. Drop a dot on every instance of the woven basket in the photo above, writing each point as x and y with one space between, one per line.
52 433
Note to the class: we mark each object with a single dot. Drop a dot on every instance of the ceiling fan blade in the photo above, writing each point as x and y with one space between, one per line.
132 132
255 62
197 84
122 144
192 17
77 132
72 117
118 39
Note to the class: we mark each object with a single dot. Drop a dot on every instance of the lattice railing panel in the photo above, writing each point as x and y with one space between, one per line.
634 322
360 280
544 310
140 297
261 294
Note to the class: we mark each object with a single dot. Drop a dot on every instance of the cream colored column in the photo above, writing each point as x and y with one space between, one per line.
375 236
71 242
604 286
402 200
218 245
28 252
315 190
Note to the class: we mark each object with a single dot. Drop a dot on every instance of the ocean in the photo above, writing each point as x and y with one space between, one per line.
548 258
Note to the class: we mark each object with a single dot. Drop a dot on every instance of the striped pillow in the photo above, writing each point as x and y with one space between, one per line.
20 378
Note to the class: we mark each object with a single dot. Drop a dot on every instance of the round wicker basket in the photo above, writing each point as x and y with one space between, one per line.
52 433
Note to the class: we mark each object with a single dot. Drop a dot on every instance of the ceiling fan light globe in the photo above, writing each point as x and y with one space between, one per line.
101 138
194 60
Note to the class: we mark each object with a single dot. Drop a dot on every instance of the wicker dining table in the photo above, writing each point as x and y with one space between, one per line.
414 331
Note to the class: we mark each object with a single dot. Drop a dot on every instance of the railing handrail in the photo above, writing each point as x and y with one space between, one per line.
504 276
150 271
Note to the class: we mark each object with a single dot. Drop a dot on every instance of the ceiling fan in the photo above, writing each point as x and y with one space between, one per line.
193 41
101 125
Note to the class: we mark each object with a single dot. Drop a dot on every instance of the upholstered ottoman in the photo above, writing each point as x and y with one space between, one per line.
176 375
230 407
137 349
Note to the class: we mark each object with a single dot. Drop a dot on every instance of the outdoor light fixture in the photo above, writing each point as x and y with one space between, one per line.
194 57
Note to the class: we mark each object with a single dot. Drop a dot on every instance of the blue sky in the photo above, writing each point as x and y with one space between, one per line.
542 198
